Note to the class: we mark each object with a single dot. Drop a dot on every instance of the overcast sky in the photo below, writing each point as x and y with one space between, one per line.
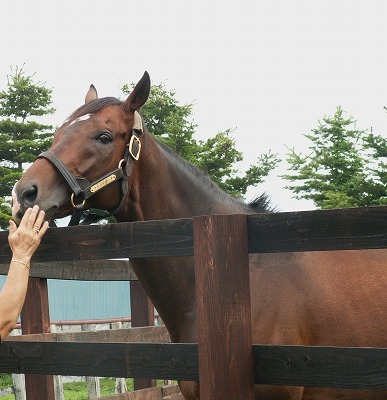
268 69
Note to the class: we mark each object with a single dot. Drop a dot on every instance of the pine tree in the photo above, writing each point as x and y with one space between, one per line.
22 138
340 169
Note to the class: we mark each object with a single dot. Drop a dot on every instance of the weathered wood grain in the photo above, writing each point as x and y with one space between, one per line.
345 229
137 360
35 318
88 270
280 365
342 367
119 240
341 229
223 304
156 334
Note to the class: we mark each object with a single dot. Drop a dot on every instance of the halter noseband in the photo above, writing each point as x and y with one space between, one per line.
82 188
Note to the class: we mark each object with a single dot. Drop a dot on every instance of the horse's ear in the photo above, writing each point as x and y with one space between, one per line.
91 94
139 94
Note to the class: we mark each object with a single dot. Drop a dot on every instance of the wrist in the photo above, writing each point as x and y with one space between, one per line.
26 258
26 264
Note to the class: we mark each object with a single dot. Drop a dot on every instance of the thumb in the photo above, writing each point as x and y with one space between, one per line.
12 227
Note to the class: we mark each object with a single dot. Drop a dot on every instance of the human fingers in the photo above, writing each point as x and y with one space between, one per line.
25 219
43 229
37 224
25 240
12 233
32 217
12 227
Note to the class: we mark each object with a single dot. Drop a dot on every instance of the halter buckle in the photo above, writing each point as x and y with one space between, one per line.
76 205
134 147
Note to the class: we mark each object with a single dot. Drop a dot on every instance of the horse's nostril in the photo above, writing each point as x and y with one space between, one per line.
29 196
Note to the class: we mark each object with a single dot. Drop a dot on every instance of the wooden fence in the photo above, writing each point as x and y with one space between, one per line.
220 240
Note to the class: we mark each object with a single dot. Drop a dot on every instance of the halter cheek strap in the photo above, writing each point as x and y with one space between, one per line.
82 188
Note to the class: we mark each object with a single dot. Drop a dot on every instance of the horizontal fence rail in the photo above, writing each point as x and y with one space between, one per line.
322 230
342 229
81 270
119 240
342 367
157 334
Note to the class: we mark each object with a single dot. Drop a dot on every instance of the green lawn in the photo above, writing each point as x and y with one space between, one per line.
78 390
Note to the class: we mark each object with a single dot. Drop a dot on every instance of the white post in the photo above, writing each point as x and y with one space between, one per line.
120 386
93 386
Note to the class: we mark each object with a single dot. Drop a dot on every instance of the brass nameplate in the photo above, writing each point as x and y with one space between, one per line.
103 183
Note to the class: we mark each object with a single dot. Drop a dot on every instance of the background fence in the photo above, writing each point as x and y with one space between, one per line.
82 253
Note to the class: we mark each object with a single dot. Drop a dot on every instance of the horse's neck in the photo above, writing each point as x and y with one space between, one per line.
170 284
166 187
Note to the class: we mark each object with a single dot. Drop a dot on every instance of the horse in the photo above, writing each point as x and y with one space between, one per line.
103 157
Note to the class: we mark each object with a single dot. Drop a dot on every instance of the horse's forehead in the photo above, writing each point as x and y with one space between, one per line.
111 117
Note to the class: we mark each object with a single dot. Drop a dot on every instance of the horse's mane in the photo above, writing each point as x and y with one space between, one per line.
93 106
260 203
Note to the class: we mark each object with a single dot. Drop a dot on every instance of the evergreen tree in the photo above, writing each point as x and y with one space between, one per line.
340 169
378 147
22 138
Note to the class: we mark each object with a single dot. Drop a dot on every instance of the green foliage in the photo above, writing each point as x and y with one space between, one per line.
24 98
378 146
5 380
78 390
21 139
342 168
217 156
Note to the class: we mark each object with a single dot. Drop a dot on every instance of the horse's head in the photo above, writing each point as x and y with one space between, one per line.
95 148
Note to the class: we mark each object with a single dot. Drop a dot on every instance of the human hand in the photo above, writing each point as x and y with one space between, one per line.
25 239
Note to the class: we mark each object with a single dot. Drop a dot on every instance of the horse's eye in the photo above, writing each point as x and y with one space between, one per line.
105 137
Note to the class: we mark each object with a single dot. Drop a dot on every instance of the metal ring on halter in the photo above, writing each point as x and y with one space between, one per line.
74 205
121 162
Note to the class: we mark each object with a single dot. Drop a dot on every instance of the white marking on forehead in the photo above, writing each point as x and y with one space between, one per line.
83 118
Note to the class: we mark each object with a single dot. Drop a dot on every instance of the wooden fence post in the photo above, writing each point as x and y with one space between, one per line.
142 314
224 309
35 318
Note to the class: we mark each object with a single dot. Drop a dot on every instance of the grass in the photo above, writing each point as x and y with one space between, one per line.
78 390
75 390
5 380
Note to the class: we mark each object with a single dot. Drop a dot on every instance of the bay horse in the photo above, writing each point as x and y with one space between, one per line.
311 298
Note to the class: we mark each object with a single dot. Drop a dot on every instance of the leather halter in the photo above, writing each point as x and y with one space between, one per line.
84 189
